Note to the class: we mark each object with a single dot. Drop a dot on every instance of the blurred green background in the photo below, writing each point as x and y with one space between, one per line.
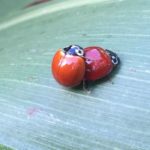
36 113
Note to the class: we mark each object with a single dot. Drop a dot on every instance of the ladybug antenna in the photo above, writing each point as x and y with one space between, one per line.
114 58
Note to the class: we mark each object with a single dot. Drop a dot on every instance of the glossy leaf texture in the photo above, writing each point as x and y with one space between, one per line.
38 113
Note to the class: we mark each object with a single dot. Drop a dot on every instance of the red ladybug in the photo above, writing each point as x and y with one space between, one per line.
68 66
99 62
73 64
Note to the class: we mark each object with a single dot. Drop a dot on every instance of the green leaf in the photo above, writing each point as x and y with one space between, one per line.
38 113
2 147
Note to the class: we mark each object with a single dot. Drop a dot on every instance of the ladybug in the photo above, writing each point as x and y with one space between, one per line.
73 64
68 65
99 62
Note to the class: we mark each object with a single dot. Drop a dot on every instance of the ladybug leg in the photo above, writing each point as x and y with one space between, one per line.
86 86
114 58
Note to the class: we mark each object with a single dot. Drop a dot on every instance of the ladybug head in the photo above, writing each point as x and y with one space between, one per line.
114 58
74 50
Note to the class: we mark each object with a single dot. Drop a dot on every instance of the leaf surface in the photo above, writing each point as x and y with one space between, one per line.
38 113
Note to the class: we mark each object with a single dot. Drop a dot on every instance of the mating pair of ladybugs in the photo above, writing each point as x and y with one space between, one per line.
73 64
